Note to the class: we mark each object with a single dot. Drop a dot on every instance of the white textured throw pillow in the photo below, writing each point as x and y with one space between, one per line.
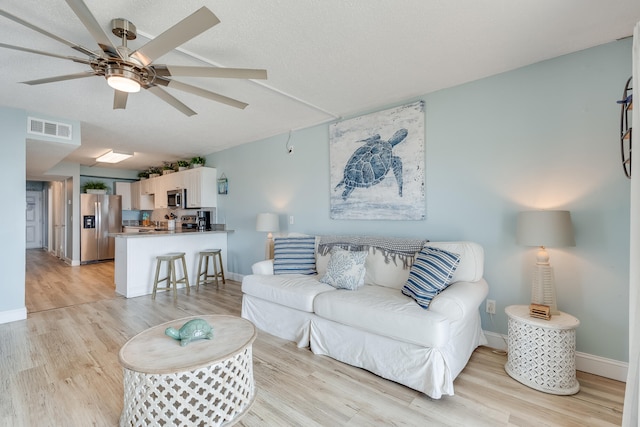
345 269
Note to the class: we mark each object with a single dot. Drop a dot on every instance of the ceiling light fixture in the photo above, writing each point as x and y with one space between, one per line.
122 79
114 157
123 84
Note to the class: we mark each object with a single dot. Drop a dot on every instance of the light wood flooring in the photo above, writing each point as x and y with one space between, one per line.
60 367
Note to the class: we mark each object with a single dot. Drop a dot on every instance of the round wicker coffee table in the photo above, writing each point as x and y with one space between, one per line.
206 383
542 353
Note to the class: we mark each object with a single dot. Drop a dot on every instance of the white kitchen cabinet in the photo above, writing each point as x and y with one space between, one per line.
160 199
123 189
147 186
174 181
201 185
139 201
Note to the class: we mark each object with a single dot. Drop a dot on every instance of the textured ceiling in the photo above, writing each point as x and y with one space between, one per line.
326 59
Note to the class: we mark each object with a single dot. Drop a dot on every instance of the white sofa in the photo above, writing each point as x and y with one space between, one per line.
376 327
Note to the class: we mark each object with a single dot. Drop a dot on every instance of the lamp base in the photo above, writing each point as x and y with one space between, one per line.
543 287
268 249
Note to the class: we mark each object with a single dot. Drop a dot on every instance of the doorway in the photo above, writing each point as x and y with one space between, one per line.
34 220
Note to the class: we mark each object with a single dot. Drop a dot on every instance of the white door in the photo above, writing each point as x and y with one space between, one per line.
58 219
34 219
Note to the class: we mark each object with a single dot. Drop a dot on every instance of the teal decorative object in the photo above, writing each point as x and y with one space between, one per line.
194 329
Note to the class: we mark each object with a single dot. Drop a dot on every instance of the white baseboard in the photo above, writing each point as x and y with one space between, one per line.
608 368
13 315
234 276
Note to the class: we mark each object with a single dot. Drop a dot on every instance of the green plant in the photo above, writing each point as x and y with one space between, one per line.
143 174
182 163
197 160
94 185
167 166
154 169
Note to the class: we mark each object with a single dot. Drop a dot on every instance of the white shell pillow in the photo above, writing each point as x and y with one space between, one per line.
345 269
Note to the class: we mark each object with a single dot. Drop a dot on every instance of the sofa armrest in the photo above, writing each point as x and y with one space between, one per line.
460 299
263 267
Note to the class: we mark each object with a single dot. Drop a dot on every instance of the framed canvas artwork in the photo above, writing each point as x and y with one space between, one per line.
377 165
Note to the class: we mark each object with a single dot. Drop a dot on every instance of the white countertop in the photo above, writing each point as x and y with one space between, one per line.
154 233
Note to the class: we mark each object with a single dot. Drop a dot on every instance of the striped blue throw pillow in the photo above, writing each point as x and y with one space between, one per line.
294 255
430 274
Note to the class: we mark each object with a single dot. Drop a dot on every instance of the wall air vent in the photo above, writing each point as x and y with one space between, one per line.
49 128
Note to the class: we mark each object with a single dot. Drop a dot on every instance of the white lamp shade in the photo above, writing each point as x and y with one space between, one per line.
545 228
268 222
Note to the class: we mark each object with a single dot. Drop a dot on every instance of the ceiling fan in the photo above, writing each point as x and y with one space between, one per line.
127 71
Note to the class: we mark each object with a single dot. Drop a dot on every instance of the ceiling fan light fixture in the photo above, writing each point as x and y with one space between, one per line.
122 79
123 84
114 157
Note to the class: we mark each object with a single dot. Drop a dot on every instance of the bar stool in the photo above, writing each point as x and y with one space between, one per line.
171 280
216 257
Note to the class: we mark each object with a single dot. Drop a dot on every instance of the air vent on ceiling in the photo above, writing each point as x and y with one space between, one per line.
49 128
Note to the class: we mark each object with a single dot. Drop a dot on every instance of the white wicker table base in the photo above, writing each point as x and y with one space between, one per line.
210 396
206 383
542 353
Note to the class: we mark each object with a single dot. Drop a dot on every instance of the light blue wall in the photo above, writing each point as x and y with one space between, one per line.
12 174
543 136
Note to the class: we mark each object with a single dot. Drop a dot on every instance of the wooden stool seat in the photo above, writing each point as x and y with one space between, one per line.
203 273
170 279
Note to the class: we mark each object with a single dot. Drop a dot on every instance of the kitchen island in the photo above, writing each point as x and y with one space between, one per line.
135 256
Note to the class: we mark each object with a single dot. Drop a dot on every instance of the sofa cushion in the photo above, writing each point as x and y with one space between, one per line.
471 266
385 271
430 274
388 261
384 311
291 290
345 269
294 255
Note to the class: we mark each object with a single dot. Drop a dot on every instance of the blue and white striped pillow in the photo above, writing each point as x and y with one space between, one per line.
294 255
430 274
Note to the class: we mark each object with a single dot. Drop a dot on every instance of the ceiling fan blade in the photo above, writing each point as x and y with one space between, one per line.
194 24
47 33
90 23
60 78
171 100
120 100
39 52
204 93
226 73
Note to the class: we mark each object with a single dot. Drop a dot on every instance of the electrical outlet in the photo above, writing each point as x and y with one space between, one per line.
291 219
491 306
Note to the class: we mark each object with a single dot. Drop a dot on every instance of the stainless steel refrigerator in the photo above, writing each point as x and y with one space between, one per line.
100 215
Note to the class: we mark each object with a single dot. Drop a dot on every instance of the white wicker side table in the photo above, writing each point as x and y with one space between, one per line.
206 383
542 353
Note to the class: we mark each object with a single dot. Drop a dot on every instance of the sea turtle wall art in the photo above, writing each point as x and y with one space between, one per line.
377 165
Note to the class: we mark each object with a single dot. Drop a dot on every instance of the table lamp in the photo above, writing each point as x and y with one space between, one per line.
270 223
544 229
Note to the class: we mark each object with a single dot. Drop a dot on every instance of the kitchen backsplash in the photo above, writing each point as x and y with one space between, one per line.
158 215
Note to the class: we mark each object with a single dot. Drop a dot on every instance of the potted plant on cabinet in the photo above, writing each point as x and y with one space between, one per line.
182 165
167 168
95 187
196 162
154 172
143 175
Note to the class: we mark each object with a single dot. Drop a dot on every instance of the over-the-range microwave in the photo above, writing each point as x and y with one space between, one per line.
177 198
